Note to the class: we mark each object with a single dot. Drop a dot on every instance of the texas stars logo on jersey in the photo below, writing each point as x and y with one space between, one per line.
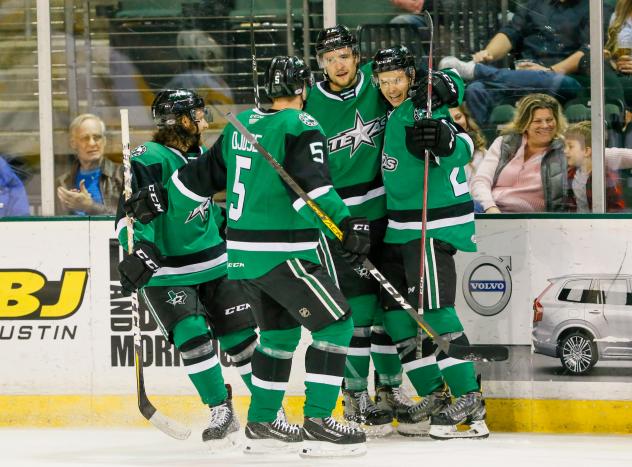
201 210
361 133
388 163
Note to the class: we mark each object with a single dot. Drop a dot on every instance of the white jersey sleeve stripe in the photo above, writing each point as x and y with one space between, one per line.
184 190
315 193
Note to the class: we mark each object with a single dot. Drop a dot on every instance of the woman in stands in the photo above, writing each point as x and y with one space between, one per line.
619 46
462 116
525 168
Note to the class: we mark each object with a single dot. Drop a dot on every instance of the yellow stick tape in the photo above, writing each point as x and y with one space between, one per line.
504 415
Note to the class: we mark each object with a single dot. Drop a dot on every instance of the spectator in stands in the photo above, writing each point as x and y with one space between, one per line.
462 116
525 168
550 36
619 48
93 183
412 8
13 198
578 150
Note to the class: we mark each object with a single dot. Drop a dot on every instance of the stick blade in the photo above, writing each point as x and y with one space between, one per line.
169 426
479 352
165 424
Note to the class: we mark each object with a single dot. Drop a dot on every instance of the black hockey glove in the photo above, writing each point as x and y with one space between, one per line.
356 240
136 269
437 136
147 203
444 91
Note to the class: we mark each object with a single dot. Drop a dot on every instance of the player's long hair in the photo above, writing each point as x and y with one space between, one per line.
622 12
177 136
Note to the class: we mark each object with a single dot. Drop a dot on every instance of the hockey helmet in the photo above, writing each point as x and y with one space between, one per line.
286 77
335 38
172 103
398 57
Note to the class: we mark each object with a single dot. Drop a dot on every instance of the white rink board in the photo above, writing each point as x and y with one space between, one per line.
83 364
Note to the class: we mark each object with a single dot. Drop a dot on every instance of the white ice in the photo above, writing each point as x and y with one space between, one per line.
148 447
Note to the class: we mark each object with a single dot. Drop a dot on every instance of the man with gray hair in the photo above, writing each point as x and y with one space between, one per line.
93 184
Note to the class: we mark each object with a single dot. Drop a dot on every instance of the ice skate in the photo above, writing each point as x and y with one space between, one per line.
325 437
467 410
276 436
223 429
418 416
359 410
394 400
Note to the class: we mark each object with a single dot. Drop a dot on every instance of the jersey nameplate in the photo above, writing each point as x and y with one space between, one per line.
240 143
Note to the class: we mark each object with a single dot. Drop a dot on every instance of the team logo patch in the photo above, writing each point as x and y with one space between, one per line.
304 312
418 114
254 118
362 272
142 149
176 298
307 119
361 133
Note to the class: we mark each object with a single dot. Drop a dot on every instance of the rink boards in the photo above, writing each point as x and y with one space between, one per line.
66 345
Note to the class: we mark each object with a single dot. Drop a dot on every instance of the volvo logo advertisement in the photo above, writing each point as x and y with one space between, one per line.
486 284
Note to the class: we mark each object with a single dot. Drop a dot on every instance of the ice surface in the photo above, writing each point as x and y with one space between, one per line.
149 447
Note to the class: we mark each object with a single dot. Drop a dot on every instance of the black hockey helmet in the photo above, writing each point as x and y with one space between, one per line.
286 76
172 103
398 57
336 38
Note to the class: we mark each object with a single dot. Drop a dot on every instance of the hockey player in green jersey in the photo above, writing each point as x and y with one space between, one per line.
410 132
353 117
272 237
179 265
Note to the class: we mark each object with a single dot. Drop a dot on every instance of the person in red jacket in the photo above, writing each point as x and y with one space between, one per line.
578 149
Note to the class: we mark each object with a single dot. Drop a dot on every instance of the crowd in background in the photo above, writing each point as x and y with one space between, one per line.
534 69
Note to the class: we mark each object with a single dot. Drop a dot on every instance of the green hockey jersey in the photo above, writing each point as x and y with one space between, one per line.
354 121
187 234
267 222
450 216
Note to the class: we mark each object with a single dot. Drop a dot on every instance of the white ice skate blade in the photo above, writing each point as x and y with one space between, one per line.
478 430
269 446
414 429
230 441
325 449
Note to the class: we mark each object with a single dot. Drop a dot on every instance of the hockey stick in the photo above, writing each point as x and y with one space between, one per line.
424 207
165 424
481 352
253 53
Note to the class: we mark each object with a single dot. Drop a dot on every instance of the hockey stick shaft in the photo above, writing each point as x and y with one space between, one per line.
482 352
164 424
253 53
424 198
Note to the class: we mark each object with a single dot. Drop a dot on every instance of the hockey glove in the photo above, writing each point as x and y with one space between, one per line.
147 203
436 136
444 91
356 240
138 268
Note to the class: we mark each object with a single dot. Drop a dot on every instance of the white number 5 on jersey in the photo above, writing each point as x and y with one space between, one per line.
317 151
234 211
